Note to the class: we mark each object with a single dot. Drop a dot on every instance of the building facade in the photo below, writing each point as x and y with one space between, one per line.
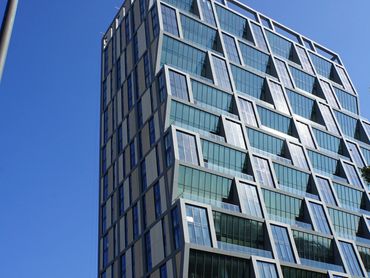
231 146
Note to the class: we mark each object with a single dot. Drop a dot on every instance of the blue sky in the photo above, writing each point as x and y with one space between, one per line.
49 122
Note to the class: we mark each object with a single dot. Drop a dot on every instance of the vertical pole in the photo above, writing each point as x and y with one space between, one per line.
6 31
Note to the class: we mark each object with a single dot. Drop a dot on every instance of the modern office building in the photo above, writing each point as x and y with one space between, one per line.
231 146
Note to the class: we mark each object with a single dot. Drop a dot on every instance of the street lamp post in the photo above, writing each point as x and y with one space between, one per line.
6 31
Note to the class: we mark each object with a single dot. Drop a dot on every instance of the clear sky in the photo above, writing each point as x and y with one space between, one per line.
49 122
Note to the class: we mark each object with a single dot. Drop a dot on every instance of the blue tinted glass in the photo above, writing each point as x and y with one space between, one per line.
198 225
282 243
221 73
327 141
302 106
351 259
230 48
178 85
266 142
169 20
280 46
248 83
259 37
267 270
347 100
275 120
255 58
320 218
304 81
207 11
326 191
186 5
322 66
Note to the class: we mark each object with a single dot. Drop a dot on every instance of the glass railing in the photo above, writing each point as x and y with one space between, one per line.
273 156
200 131
218 110
228 171
211 202
244 249
322 265
298 192
292 222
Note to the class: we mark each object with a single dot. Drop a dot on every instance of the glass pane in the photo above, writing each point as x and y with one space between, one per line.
326 191
198 225
251 203
304 59
320 218
187 148
247 112
282 243
178 85
305 135
329 94
352 175
355 153
283 73
267 270
207 11
221 73
278 97
259 37
263 172
234 134
298 156
351 259
169 20
230 48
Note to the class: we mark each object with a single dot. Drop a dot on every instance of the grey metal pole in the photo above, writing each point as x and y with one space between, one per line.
6 31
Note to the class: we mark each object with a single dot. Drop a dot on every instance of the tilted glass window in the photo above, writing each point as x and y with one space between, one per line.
303 106
186 5
231 49
355 153
187 148
304 59
255 58
233 230
328 118
345 224
247 112
178 85
234 134
322 66
347 101
319 217
205 264
263 172
347 124
345 80
200 34
284 208
189 116
267 270
326 191
352 175
282 243
233 23
198 225
183 56
221 73
207 12
290 272
305 134
328 92
323 163
283 73
365 256
348 197
280 46
265 142
304 81
211 97
275 121
316 248
259 37
248 83
251 203
328 141
366 154
203 184
351 259
298 156
221 158
291 178
278 97
169 20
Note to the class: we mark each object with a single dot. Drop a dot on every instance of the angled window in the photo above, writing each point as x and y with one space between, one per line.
292 180
345 224
328 141
347 100
207 12
259 37
324 163
183 56
234 134
366 154
319 218
348 124
178 85
298 157
267 270
280 46
322 66
221 73
326 191
275 120
211 97
282 243
283 73
304 81
328 118
198 225
200 34
278 97
263 172
305 134
365 256
187 148
185 5
248 83
328 92
351 258
230 47
304 106
344 78
255 58
233 23
349 198
251 201
247 112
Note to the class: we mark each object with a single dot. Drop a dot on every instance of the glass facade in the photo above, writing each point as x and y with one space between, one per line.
231 146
